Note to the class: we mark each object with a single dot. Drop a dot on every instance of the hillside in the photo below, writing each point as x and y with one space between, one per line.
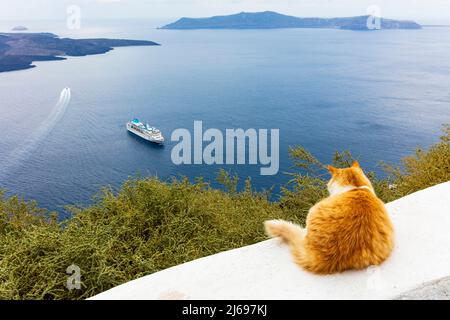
266 271
150 225
19 50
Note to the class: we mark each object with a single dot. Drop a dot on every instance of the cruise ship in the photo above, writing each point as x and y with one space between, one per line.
145 131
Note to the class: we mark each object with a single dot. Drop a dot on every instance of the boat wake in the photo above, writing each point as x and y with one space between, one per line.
23 151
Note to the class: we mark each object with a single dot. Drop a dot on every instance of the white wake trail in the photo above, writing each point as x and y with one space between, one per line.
23 151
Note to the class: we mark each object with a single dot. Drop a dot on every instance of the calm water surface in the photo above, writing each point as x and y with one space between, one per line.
379 94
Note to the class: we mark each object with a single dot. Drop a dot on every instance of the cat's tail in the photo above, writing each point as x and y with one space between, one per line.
293 235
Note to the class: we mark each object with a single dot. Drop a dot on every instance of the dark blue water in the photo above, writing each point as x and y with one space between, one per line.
379 94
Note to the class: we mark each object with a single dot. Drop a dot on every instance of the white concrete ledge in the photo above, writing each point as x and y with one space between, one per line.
265 270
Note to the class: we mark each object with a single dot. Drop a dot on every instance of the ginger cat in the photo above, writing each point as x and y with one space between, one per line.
348 230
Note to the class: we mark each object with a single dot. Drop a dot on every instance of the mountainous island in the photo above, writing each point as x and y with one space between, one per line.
19 50
19 28
274 20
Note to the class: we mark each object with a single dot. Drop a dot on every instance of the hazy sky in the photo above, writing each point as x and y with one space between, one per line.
421 10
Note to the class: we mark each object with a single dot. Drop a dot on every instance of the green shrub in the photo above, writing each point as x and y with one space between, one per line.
150 225
424 169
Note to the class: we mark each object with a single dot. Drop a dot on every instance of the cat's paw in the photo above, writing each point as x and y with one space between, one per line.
274 227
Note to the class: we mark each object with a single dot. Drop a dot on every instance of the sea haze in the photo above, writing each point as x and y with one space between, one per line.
379 94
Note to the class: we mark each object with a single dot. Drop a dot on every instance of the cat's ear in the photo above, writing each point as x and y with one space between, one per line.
332 169
355 164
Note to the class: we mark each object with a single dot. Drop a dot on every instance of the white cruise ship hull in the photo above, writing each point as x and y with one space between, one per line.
144 136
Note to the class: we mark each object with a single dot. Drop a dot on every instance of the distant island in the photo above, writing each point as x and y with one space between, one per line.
18 51
19 28
274 20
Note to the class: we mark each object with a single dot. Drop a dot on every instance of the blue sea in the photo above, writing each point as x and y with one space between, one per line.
378 94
